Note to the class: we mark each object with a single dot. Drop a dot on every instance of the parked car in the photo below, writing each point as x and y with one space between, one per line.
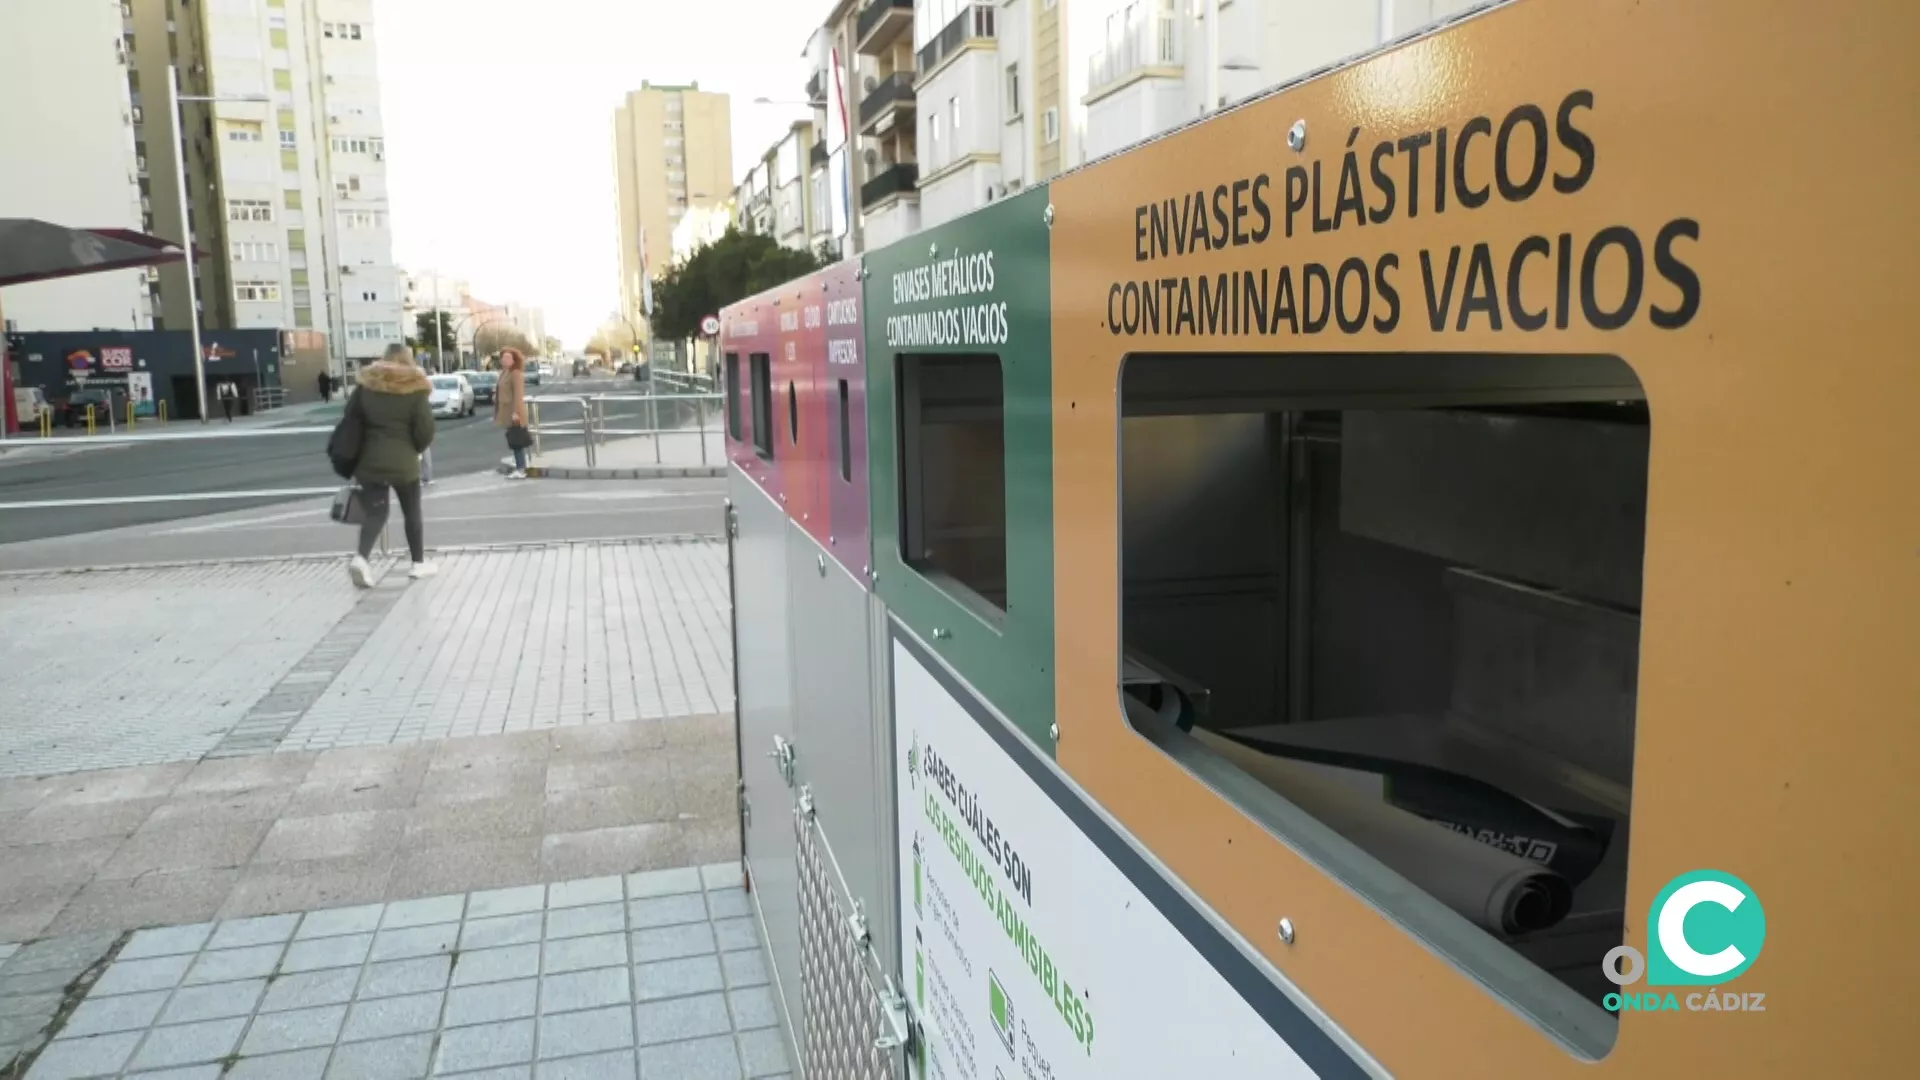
74 411
28 403
483 383
533 374
452 396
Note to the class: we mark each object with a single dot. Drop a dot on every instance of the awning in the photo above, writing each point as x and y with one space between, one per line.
34 250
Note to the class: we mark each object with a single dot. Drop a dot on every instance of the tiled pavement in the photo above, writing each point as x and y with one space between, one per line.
654 976
157 665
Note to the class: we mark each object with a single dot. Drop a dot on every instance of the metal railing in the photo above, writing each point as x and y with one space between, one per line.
596 432
893 180
1144 34
974 23
894 89
873 14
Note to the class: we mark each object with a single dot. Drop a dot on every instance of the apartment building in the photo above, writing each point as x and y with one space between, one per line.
673 150
73 154
1155 64
886 118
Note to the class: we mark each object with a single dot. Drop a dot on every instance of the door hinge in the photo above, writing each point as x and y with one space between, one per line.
782 755
902 1032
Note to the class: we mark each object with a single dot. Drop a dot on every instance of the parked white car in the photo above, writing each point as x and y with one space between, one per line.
28 403
452 396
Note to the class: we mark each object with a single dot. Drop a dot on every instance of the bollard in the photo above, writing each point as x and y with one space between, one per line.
129 416
653 421
46 423
163 410
533 415
700 410
89 419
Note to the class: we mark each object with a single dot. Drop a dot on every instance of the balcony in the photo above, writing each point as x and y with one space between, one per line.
817 88
890 98
817 157
879 23
893 180
1143 41
973 24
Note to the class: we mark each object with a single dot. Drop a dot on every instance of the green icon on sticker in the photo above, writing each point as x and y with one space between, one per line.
1001 1010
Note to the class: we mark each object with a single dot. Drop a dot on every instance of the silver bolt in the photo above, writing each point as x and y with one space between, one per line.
821 562
941 635
1053 730
933 250
1286 931
1297 136
1047 215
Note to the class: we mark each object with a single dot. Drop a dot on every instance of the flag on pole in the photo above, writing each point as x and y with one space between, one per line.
646 277
846 129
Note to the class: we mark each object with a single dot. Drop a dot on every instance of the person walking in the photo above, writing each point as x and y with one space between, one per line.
510 406
326 388
228 394
397 428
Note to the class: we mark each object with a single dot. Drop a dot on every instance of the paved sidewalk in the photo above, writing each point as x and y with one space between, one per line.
656 975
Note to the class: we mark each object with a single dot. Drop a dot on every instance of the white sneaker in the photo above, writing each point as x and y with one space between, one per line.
423 570
517 474
360 572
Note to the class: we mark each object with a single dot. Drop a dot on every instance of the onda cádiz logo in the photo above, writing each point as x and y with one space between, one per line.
1707 930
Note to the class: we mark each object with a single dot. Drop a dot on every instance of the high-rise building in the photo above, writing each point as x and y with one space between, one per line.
289 193
673 149
67 133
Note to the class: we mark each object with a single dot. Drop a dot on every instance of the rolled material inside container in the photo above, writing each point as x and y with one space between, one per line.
1503 893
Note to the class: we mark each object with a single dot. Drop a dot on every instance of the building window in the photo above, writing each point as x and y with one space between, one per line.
363 219
245 133
1012 108
296 240
289 160
326 29
1050 126
256 251
933 140
249 210
282 79
303 318
376 148
294 200
372 331
277 38
953 122
370 296
289 140
256 290
353 31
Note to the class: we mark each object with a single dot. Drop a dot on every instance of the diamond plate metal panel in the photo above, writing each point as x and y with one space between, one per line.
843 1018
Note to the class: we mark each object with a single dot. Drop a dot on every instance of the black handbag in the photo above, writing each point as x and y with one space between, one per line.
343 446
518 437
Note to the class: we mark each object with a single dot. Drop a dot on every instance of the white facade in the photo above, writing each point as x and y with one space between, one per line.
700 226
67 137
303 176
959 100
1147 62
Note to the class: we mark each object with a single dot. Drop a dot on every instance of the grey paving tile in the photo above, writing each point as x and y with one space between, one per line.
600 890
672 942
505 930
582 921
668 910
695 1059
588 1032
677 978
578 990
37 1004
133 976
348 950
497 965
504 1072
7 950
185 1072
406 977
214 1001
651 883
384 1018
262 930
763 1052
681 1018
40 982
753 1008
189 1044
579 954
166 941
65 1059
403 944
732 934
745 968
488 1002
298 1029
227 965
310 884
506 901
105 1015
311 988
16 1030
731 903
615 1065
402 1058
296 1065
73 953
726 875
340 921
433 909
486 1046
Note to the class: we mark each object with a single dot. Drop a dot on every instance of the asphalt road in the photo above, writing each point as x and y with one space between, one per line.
476 509
244 463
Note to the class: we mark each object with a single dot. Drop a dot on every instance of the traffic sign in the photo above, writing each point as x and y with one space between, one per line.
710 325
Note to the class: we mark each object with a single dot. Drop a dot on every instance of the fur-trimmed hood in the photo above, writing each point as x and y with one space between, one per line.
392 377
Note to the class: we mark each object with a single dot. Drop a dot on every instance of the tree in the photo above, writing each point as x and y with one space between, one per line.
552 346
423 330
492 337
729 270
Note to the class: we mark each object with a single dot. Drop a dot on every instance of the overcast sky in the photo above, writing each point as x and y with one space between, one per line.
499 127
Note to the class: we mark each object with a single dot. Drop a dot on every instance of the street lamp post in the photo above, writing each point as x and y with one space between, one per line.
174 100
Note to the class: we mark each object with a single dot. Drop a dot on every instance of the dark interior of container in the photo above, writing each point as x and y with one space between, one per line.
1430 559
953 484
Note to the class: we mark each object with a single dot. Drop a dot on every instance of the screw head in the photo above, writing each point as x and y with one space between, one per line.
1286 931
1297 136
1053 731
933 250
1047 215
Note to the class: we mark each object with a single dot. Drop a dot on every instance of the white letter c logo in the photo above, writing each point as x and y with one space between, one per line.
1673 932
